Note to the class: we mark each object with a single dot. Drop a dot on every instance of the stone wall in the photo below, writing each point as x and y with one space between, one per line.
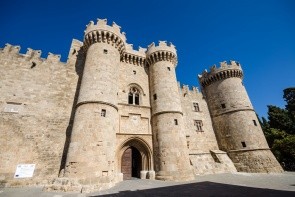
204 152
36 99
134 119
255 161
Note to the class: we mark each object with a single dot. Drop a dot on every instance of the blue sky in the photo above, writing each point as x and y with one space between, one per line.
259 34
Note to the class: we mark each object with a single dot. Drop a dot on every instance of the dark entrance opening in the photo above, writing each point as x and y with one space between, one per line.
131 163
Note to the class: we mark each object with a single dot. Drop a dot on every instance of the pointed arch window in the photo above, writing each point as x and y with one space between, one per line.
133 96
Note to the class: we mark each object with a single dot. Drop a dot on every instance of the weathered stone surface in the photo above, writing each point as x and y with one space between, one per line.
75 120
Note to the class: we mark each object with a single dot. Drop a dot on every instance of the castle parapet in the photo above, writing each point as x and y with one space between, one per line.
102 32
32 54
11 49
226 70
140 52
136 57
53 57
162 52
185 90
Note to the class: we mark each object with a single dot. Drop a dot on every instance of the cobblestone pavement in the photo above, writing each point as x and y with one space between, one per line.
237 184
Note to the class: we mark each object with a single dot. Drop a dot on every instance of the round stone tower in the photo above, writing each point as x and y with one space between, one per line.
235 122
170 151
91 154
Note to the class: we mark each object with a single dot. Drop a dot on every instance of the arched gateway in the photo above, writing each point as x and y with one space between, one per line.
135 159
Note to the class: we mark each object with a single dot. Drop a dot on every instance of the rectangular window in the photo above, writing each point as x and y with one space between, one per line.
254 122
134 72
196 106
175 122
223 106
105 51
103 113
168 68
243 144
198 125
155 96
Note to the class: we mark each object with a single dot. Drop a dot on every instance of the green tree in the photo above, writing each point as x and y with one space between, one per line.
279 130
280 119
289 96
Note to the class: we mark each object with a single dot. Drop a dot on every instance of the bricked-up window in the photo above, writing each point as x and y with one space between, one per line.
155 96
103 113
223 106
133 96
175 121
198 125
196 107
105 51
244 144
254 122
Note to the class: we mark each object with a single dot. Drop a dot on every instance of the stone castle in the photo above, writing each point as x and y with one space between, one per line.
111 113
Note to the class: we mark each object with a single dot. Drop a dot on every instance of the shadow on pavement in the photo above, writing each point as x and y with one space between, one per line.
205 189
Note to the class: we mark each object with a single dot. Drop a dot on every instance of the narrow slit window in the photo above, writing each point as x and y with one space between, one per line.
168 68
175 122
244 144
155 96
134 72
223 106
254 122
105 51
103 113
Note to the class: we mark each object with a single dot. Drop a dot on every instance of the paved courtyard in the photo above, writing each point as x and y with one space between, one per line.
237 184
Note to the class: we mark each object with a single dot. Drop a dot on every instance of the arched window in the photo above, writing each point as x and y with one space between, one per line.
133 96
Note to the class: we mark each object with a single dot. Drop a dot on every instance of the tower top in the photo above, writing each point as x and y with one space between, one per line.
226 70
101 24
162 46
162 52
102 32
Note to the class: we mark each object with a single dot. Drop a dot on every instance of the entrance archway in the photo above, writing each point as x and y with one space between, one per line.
134 156
131 163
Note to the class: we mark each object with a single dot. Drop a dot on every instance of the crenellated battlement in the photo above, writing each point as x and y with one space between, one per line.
11 49
136 57
30 54
140 52
53 57
162 52
189 90
162 46
102 32
226 70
